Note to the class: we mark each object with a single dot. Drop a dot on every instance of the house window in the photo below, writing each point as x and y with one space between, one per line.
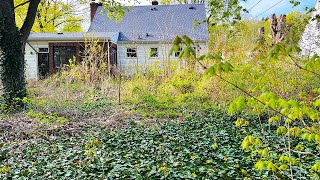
43 50
177 54
62 55
83 52
131 52
154 52
195 49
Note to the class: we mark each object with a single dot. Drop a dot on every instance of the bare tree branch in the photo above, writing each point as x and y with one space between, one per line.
29 21
21 4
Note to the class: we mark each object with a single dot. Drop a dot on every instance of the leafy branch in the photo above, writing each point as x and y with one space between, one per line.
280 50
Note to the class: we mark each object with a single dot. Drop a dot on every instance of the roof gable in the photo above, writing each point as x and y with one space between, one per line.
163 23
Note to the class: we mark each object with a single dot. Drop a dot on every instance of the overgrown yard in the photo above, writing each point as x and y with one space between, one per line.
166 129
205 145
250 116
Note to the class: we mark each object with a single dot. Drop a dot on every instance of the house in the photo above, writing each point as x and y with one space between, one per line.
144 36
46 53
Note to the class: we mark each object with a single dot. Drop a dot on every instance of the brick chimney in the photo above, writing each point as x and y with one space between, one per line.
93 9
154 2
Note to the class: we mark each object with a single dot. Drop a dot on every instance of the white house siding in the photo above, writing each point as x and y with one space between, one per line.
31 59
129 65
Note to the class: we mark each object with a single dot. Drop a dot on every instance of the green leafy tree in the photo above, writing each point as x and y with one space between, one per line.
296 22
53 16
72 24
224 12
220 11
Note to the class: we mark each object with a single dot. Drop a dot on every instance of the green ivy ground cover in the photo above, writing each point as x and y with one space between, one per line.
204 146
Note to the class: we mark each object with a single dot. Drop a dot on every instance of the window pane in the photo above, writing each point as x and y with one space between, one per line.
43 50
62 55
153 52
131 52
57 61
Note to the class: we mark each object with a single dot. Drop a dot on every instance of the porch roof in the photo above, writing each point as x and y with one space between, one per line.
80 36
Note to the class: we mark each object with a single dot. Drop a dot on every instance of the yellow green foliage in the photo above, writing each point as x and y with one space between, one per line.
52 16
241 122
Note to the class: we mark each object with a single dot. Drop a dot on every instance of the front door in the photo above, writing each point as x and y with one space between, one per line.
43 65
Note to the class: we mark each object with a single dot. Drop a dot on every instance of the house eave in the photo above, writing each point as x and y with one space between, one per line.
157 42
73 37
65 40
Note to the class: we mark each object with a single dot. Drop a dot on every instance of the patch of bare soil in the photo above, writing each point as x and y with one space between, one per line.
21 127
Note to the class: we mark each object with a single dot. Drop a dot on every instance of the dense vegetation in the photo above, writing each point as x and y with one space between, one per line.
252 114
202 146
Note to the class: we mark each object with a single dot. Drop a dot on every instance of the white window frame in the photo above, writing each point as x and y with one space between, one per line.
157 55
131 48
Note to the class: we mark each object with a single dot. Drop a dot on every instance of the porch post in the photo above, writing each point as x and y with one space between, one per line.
109 65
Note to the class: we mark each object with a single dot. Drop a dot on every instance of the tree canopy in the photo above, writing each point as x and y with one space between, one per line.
52 15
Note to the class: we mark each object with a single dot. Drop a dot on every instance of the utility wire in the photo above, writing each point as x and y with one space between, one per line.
251 7
269 8
254 5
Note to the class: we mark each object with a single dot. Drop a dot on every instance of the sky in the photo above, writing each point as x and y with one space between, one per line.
284 7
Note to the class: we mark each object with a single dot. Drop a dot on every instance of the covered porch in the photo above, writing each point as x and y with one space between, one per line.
47 53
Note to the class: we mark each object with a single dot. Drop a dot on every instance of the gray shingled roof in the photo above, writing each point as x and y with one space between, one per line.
113 36
143 24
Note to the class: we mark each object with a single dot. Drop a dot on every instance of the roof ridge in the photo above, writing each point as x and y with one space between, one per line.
133 6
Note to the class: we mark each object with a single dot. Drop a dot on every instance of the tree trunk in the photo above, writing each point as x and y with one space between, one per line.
12 49
12 55
278 28
281 28
12 60
273 26
261 34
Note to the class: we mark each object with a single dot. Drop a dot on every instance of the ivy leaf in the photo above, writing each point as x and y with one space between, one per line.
201 58
175 48
211 56
317 103
187 40
260 165
271 167
227 67
210 71
177 40
218 58
219 67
